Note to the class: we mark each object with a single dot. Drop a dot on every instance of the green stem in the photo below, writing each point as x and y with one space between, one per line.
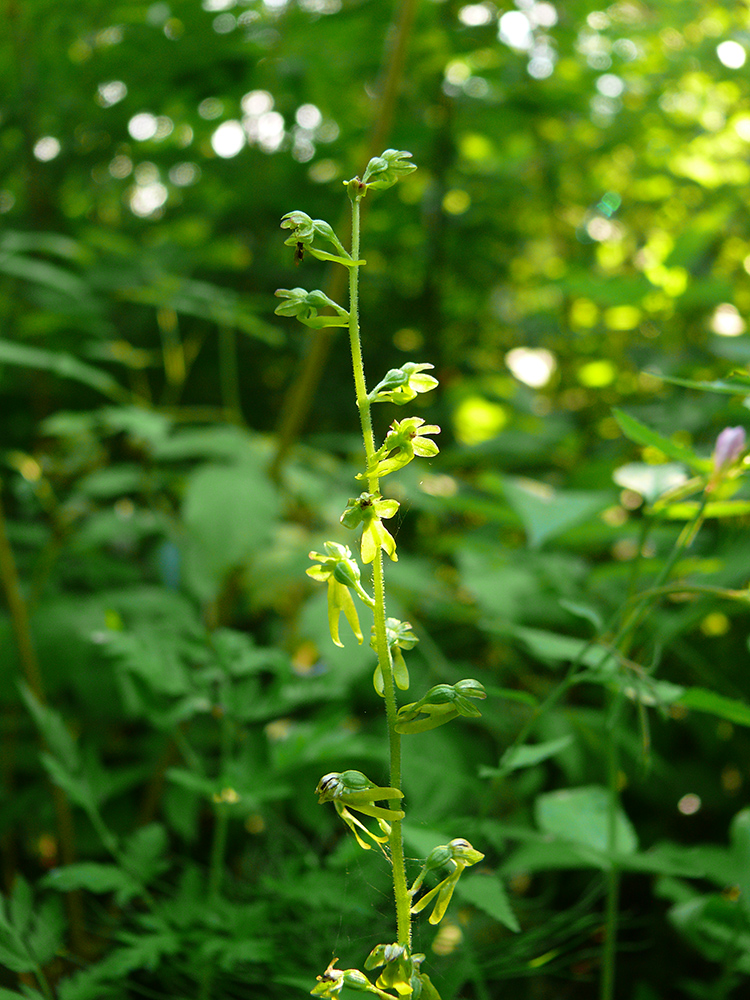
218 851
622 642
44 983
683 541
613 874
396 842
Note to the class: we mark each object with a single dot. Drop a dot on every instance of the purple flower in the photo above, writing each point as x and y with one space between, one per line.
729 446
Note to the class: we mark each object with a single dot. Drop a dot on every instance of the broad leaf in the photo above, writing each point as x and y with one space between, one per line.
703 700
546 512
487 893
643 435
581 815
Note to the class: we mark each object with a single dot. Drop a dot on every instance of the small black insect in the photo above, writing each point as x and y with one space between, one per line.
299 254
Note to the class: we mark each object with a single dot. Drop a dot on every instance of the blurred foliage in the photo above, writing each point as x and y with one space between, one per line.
575 236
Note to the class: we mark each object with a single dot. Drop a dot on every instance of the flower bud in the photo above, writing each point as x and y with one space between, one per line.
301 224
470 688
384 171
463 852
438 857
358 981
347 572
729 446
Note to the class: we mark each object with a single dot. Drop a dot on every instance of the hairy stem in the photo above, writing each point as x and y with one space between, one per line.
396 843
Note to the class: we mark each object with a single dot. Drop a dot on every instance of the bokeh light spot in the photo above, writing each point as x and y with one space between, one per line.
47 148
143 126
456 201
477 419
533 366
731 54
689 804
726 321
597 374
228 139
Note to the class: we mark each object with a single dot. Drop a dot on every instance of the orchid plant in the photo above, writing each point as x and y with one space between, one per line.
352 792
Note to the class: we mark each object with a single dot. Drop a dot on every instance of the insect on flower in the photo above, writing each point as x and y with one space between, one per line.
299 253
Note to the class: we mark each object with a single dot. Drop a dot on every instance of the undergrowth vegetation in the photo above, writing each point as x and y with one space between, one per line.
226 771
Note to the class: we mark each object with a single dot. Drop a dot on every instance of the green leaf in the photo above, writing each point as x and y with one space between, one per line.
195 783
144 851
487 893
703 700
736 384
547 513
581 815
204 300
229 513
46 935
563 648
90 875
554 855
53 730
739 834
153 656
229 953
686 510
41 272
64 366
527 756
76 788
14 955
711 925
643 435
422 840
20 905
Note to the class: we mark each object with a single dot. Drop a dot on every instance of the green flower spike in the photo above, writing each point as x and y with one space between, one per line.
401 385
400 636
333 981
384 171
458 853
441 704
355 790
401 972
305 306
368 509
304 230
340 570
404 439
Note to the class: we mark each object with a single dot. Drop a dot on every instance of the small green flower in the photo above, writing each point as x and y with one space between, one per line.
458 853
354 790
400 636
333 981
401 385
400 968
384 171
367 509
441 704
305 306
304 230
339 568
405 439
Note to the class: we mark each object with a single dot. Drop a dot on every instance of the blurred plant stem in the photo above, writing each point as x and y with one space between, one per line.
20 623
301 394
631 619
